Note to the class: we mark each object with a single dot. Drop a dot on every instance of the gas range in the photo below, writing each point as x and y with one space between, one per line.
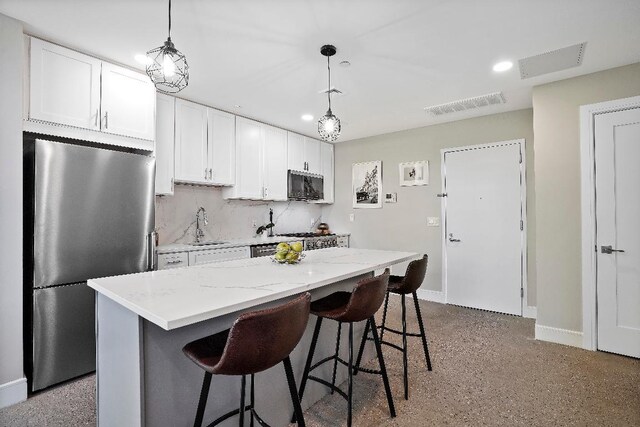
315 241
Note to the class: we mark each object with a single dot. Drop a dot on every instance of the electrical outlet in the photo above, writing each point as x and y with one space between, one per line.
433 221
313 221
352 217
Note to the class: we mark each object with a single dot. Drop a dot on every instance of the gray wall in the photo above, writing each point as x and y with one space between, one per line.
402 226
11 61
556 125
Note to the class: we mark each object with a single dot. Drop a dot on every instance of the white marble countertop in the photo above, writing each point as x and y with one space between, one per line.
183 296
228 243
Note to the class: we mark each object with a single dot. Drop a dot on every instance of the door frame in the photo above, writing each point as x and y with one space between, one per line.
523 213
588 212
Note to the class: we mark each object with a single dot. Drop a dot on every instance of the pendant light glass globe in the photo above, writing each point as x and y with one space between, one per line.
329 127
167 66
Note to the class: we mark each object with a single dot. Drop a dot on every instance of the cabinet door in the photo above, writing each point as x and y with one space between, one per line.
295 152
64 86
275 163
218 255
249 137
327 162
165 127
222 147
128 103
191 162
312 155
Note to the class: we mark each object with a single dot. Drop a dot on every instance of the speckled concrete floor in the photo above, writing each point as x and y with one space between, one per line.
488 370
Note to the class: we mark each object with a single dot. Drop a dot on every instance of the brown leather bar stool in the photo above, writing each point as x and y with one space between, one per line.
256 342
403 286
349 307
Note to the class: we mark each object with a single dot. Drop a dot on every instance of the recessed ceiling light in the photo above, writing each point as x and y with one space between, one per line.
307 117
345 63
502 66
143 59
238 106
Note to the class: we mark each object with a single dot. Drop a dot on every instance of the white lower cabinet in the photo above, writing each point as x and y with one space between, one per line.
174 260
218 255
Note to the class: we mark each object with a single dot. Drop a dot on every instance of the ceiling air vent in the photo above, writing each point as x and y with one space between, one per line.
550 62
467 104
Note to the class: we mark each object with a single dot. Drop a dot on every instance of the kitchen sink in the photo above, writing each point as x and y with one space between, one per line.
209 242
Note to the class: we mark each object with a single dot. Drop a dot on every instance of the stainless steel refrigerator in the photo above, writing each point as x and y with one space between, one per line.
89 213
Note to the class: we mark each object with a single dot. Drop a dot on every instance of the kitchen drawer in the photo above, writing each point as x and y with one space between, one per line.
167 261
343 241
218 255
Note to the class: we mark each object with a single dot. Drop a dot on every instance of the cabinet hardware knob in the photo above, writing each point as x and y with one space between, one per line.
97 115
106 120
205 173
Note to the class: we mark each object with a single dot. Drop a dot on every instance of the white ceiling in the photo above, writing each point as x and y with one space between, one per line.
405 54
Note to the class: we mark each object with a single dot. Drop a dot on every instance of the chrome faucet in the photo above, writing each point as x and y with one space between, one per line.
205 220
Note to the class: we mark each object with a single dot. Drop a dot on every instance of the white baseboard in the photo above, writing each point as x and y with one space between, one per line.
530 312
13 392
559 336
429 295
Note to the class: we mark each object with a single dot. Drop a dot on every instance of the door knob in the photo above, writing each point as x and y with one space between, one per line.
609 249
451 239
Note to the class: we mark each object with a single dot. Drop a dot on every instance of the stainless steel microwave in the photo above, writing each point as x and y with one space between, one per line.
304 186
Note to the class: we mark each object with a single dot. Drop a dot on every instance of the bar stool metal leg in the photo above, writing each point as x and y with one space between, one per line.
297 409
383 369
422 333
405 362
202 403
253 400
384 316
243 385
307 365
350 367
361 350
335 362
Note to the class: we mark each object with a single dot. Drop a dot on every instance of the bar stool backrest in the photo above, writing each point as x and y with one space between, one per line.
414 276
261 339
366 298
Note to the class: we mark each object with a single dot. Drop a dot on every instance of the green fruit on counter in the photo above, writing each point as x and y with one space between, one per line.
297 246
292 257
283 248
280 256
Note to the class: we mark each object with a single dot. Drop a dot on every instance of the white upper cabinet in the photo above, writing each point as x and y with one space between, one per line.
77 96
249 141
275 163
312 155
295 156
165 129
222 146
64 86
327 165
191 154
128 103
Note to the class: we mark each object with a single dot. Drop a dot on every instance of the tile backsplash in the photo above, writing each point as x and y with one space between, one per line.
228 219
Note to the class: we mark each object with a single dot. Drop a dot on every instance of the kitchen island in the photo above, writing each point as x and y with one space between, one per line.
144 320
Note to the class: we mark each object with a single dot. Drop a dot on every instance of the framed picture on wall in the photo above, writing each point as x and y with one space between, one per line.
414 173
367 185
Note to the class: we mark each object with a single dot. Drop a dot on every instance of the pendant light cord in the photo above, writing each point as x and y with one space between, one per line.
169 19
329 88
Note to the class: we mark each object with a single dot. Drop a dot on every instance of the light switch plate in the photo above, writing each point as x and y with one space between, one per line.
433 221
352 217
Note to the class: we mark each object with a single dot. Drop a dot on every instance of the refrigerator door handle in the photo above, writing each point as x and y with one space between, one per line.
151 251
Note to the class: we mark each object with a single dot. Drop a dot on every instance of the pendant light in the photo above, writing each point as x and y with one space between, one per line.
329 125
167 67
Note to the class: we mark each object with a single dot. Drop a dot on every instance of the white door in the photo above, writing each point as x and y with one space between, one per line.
128 103
312 155
249 137
275 163
191 161
483 229
64 86
222 146
617 153
165 121
296 160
